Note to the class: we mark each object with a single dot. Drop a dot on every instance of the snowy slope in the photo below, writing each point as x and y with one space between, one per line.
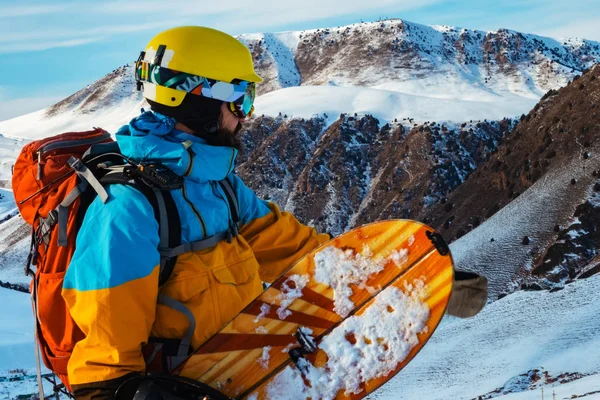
16 331
300 102
16 345
15 237
8 207
9 150
556 332
587 388
276 63
386 105
108 103
495 249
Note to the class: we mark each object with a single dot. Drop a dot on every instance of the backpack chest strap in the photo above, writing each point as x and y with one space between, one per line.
168 218
196 246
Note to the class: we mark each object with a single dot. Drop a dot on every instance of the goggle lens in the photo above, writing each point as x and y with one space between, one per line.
244 106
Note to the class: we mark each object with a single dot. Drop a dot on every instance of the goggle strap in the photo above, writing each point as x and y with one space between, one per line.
142 74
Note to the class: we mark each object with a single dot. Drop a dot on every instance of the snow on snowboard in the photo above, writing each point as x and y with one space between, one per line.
340 323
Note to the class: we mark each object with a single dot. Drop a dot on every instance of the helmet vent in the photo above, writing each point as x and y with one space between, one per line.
159 54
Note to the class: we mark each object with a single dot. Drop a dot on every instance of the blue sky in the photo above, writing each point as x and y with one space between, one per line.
50 49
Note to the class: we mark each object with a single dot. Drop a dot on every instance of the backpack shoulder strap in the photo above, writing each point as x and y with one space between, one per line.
232 200
165 213
170 232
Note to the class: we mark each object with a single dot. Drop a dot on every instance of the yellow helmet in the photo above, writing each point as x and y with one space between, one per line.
198 51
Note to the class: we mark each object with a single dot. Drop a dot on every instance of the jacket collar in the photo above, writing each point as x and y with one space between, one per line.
152 137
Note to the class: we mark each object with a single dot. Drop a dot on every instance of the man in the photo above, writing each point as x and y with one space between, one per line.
200 84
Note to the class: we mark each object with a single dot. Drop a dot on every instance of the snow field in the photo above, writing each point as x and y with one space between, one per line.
534 214
588 388
8 208
16 331
520 332
37 125
15 237
9 150
385 105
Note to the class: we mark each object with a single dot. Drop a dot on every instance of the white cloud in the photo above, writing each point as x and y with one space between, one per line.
242 9
34 35
45 45
29 10
11 108
587 29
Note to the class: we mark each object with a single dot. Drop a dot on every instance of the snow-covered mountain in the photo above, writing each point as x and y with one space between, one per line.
490 137
416 59
391 69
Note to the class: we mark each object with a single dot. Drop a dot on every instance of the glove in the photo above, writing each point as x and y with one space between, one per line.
469 294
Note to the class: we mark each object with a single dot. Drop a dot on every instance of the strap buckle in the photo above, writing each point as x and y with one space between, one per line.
75 163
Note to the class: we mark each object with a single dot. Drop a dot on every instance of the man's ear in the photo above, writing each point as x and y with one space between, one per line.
212 127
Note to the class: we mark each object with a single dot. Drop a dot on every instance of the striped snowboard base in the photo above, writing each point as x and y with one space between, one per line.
356 310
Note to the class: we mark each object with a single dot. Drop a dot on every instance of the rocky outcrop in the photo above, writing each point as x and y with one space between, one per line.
356 171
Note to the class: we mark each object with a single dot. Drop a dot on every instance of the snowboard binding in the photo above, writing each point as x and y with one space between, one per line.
307 346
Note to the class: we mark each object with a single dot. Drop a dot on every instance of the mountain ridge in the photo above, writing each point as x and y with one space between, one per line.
496 74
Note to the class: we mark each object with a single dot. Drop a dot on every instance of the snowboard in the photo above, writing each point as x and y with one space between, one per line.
339 323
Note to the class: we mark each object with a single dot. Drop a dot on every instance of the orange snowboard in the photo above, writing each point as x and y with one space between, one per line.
340 323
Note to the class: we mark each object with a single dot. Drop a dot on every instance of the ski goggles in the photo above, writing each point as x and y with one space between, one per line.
239 94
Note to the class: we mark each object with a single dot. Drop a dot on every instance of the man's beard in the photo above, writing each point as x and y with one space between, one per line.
225 138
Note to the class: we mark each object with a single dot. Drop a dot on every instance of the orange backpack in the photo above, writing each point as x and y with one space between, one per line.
54 182
42 180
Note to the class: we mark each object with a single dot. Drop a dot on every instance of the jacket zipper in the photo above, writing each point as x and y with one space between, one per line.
223 197
183 191
191 164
